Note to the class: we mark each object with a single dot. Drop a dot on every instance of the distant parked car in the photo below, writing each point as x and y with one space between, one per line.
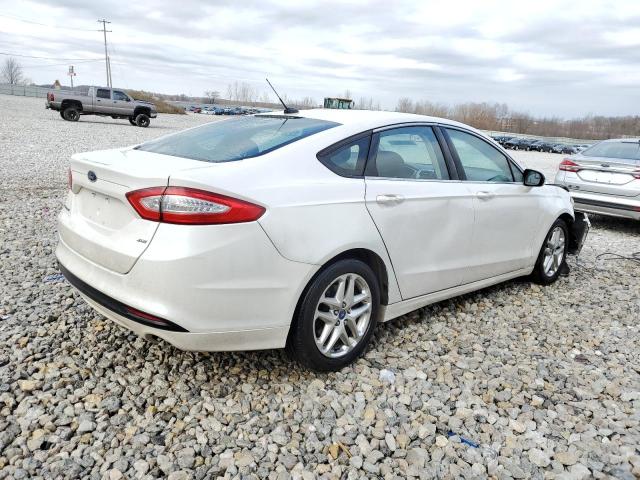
605 178
564 148
517 144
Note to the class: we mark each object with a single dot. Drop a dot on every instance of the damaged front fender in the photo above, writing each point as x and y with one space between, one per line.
578 231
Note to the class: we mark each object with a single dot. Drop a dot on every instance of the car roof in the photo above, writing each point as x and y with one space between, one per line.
368 119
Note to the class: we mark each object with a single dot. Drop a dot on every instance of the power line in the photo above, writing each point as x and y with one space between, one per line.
47 58
46 24
59 64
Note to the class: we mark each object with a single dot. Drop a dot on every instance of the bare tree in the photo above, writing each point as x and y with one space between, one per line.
12 71
405 105
212 95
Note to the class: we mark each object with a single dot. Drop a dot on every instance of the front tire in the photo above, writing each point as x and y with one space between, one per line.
143 120
553 254
336 317
132 121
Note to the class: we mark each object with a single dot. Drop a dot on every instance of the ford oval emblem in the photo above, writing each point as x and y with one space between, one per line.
92 176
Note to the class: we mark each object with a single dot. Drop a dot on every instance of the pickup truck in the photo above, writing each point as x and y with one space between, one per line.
106 102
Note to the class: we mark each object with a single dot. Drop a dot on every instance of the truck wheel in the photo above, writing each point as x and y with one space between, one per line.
71 114
143 120
132 121
62 113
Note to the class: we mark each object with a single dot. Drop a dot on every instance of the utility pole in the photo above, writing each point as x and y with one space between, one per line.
106 56
109 65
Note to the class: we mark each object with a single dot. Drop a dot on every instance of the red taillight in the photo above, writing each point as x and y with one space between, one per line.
190 206
50 97
69 179
569 166
636 174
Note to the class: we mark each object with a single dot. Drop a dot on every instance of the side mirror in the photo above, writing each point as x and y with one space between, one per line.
533 178
128 99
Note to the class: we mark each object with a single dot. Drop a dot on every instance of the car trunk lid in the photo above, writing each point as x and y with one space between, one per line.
101 225
613 176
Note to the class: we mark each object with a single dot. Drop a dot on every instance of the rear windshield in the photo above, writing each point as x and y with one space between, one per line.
626 150
236 138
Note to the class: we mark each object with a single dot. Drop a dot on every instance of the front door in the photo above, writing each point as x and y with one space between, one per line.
121 103
507 211
425 219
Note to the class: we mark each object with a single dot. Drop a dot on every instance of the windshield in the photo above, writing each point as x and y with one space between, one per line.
236 139
623 150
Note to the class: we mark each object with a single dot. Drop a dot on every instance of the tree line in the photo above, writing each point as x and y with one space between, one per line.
499 117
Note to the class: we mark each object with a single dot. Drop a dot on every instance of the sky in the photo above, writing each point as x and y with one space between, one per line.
560 58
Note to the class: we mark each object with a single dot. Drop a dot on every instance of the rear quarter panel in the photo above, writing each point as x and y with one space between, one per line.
312 214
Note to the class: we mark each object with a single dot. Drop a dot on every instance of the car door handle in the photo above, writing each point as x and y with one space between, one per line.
485 195
389 199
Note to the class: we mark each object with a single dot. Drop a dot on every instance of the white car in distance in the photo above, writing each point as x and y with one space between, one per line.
304 230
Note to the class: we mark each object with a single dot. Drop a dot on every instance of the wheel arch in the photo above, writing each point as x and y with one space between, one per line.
138 110
71 103
369 257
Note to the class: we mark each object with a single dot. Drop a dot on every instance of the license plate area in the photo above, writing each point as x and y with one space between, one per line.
610 178
104 210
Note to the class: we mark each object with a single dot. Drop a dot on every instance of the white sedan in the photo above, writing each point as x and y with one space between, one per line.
304 230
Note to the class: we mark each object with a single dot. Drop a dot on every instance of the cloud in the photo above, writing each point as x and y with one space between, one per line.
549 57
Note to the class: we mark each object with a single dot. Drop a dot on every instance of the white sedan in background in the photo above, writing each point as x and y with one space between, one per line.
304 230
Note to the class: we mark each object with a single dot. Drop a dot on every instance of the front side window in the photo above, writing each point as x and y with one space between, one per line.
119 96
237 138
481 161
348 160
408 152
103 93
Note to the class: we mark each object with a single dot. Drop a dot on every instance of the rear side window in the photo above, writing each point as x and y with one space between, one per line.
349 159
408 152
480 160
236 139
622 150
103 93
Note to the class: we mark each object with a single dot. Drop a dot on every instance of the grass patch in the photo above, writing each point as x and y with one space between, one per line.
161 105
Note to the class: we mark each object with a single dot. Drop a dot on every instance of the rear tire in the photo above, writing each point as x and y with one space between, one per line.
71 114
62 114
553 254
333 327
143 120
132 121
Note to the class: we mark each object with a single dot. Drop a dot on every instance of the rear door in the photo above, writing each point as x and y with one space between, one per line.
507 212
425 218
102 100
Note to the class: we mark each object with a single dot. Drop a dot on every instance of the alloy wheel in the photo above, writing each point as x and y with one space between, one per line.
554 251
342 316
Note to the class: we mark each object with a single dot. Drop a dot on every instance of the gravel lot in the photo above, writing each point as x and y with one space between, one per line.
531 382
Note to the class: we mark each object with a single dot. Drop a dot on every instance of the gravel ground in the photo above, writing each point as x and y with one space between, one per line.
515 381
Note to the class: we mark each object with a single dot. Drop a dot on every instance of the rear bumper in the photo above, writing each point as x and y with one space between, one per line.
228 341
226 289
607 205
